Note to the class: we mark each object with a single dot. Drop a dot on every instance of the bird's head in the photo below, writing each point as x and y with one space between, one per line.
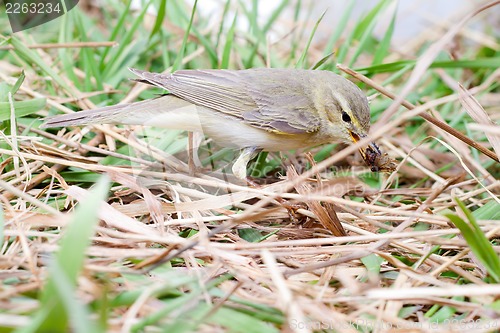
348 115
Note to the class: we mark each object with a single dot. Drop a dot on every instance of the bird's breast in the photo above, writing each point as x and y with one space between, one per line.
229 131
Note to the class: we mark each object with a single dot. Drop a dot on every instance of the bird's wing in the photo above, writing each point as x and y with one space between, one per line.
256 97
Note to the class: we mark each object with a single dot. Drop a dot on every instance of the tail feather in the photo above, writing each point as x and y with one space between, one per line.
132 114
103 115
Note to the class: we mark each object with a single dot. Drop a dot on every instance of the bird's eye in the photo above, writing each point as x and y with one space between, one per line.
346 117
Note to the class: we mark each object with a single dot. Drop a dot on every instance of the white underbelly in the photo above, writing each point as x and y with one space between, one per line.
225 130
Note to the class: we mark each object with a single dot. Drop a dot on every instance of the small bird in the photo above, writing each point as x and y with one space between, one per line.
261 109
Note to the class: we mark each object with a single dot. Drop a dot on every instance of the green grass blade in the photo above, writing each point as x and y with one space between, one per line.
227 5
238 321
492 63
4 91
226 54
119 27
89 62
385 43
159 18
178 60
364 30
274 16
22 108
490 211
372 263
479 244
33 57
322 61
367 21
209 48
341 27
65 54
119 54
301 62
77 312
77 236
18 83
344 49
295 42
258 33
54 314
252 19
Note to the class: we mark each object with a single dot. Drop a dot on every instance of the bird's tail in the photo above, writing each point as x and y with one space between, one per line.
104 115
137 113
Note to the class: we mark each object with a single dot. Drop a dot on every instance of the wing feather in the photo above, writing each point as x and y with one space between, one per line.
273 99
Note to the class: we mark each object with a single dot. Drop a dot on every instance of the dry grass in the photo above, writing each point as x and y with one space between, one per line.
193 249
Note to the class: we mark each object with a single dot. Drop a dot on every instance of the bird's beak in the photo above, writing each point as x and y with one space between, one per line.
369 153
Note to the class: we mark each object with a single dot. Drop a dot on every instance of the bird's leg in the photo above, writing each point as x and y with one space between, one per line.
240 165
240 171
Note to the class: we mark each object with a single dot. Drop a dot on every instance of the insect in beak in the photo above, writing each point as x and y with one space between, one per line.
369 153
373 156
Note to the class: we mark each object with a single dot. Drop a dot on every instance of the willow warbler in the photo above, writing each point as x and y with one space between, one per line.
253 109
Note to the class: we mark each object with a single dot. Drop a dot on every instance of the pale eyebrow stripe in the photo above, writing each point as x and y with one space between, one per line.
344 104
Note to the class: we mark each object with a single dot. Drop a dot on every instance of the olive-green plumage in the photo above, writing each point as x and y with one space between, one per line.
254 109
